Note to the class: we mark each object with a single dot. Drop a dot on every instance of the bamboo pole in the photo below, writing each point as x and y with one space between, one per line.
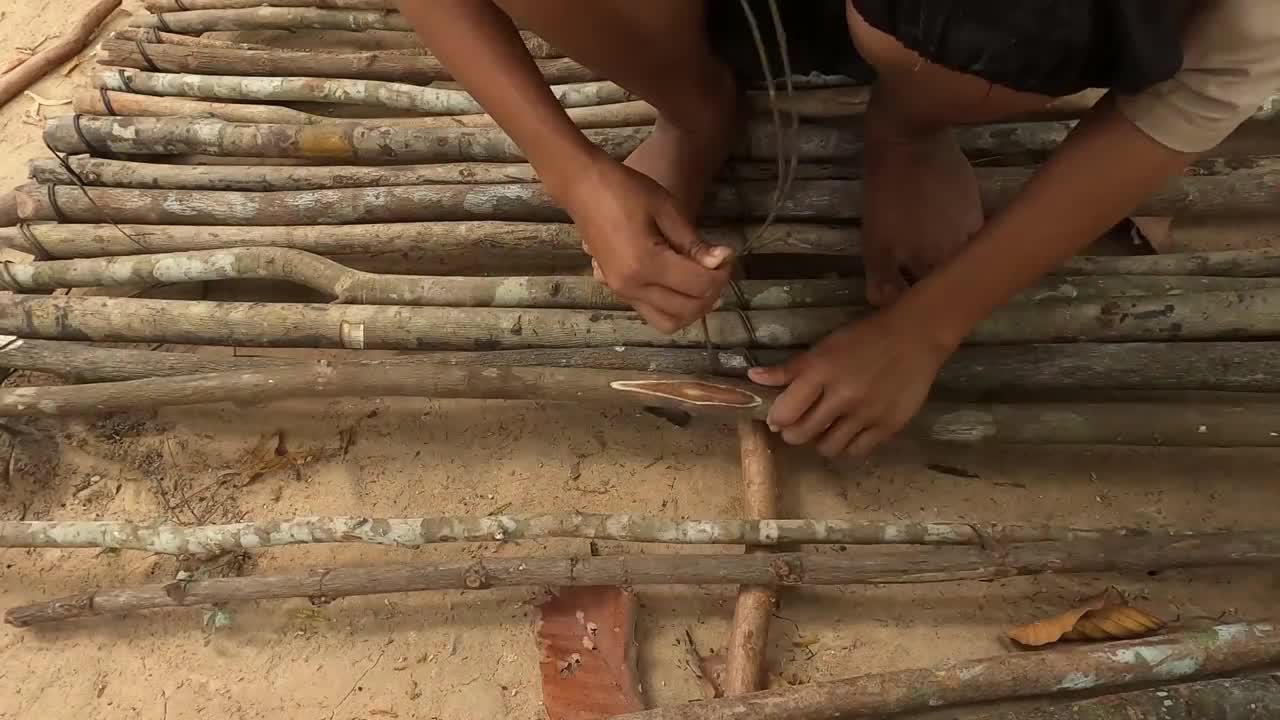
1193 425
345 285
375 93
1257 696
171 539
1206 366
164 6
368 65
15 81
1191 654
871 565
376 142
746 657
1195 316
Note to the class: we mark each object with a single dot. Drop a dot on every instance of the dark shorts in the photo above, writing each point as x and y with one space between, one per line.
1051 47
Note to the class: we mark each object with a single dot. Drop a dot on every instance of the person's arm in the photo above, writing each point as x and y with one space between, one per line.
640 240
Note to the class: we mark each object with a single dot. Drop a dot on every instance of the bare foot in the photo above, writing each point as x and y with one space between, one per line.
920 205
684 157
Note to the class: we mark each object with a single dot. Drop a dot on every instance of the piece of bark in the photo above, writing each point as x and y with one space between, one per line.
872 565
14 82
171 539
1222 367
8 209
376 93
586 636
747 654
368 65
1191 654
1239 698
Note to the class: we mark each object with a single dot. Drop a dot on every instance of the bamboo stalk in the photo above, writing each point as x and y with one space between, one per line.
1224 367
368 65
746 657
1193 425
869 566
15 81
171 539
376 142
345 285
451 242
1257 696
1190 654
375 93
1195 316
164 6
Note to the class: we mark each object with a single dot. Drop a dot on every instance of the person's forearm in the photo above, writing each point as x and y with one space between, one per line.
483 50
1099 175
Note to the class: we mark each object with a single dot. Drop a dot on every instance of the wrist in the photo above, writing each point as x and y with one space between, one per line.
934 316
569 175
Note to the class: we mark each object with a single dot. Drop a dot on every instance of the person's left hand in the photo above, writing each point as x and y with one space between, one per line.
856 388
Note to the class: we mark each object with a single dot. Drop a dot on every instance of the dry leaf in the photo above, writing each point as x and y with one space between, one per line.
1106 616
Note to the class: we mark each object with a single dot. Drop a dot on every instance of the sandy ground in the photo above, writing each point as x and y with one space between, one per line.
472 655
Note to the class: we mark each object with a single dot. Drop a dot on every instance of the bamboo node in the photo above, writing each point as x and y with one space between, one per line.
476 577
787 571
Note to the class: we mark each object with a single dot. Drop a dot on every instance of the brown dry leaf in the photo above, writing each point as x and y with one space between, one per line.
1106 616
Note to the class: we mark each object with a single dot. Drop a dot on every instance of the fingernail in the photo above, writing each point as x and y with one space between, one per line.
719 304
716 255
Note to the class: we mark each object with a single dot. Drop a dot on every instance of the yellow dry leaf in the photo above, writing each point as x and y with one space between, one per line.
1106 616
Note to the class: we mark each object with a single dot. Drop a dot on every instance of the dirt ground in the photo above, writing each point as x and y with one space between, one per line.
470 655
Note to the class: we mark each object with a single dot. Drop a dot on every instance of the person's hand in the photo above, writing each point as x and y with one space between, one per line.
856 388
644 248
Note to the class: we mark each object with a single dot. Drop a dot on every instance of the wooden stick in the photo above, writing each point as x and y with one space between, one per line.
154 35
1197 425
451 243
1235 263
1238 194
375 142
14 82
165 6
872 565
1226 367
1190 654
368 65
1195 316
92 102
371 143
353 286
416 532
376 93
746 658
8 209
265 178
1257 696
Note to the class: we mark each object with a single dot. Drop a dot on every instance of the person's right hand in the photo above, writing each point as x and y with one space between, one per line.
644 248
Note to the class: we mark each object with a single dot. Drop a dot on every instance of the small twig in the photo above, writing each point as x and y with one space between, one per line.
356 684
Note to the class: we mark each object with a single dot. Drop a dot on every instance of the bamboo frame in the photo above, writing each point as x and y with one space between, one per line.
870 566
